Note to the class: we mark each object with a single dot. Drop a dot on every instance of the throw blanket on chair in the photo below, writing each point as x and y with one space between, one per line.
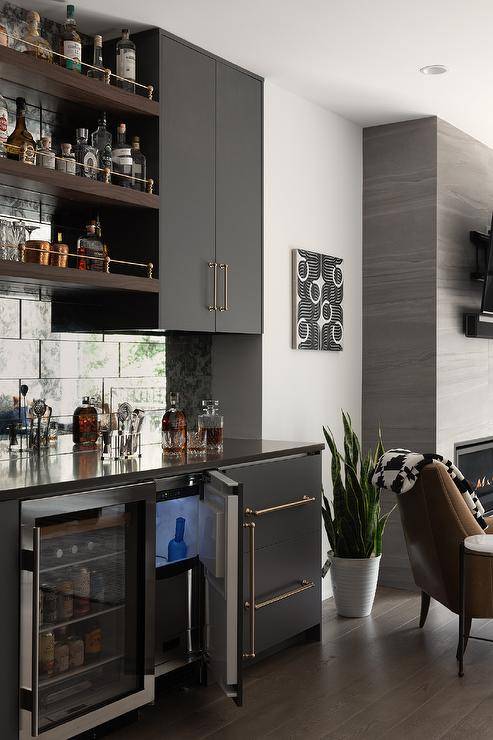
397 471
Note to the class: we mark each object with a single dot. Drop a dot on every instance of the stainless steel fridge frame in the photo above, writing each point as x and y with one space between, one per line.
29 627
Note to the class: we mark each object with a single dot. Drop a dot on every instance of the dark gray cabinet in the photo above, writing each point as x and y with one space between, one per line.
10 619
211 194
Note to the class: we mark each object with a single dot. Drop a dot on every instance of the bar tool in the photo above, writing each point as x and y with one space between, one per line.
123 415
38 409
136 420
24 390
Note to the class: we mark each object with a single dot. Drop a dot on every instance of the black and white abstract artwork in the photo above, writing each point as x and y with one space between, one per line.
317 301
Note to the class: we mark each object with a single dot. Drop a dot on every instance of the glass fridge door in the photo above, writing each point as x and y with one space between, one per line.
87 565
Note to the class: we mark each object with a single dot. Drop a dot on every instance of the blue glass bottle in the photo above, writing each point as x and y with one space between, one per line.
177 549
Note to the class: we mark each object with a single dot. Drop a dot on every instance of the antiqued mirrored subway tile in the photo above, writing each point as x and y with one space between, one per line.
9 400
78 359
9 318
146 395
74 336
64 394
36 319
19 358
145 359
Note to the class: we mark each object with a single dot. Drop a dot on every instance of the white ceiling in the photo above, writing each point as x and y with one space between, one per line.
359 58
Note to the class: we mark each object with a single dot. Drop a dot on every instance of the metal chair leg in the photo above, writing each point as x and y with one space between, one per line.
425 605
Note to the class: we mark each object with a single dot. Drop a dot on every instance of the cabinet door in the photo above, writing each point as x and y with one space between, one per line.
187 188
220 553
238 201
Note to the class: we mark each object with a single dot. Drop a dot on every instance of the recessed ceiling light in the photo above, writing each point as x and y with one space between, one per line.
434 69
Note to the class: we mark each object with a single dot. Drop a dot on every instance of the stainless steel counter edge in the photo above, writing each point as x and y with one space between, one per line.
52 475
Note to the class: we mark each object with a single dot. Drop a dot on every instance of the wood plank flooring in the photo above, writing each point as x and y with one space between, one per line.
373 678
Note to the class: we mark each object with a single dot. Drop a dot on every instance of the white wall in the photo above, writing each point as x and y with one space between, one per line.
313 200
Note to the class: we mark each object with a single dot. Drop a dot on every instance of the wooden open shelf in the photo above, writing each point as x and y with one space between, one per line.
54 81
69 278
72 187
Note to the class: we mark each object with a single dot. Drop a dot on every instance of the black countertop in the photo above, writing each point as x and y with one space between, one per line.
49 475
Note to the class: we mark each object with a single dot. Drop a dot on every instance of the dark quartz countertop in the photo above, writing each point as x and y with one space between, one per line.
49 475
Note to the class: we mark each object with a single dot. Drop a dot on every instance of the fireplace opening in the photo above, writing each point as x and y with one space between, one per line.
475 461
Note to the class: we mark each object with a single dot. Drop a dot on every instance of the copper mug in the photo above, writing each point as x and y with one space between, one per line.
37 251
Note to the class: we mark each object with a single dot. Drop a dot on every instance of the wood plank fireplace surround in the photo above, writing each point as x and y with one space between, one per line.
426 185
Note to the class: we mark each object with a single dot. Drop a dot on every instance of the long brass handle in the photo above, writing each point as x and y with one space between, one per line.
281 507
225 267
251 528
304 586
213 266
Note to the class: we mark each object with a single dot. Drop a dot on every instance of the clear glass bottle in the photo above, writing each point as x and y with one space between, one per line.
66 163
100 139
85 424
106 163
4 124
122 158
139 168
45 156
90 244
36 45
97 60
70 43
86 155
125 62
211 422
20 143
174 428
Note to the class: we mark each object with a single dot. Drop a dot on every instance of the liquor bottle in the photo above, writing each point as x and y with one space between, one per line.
59 252
122 158
85 424
70 44
106 162
36 45
211 423
100 139
66 163
139 169
45 156
177 548
174 428
20 143
86 155
90 245
125 62
97 61
4 124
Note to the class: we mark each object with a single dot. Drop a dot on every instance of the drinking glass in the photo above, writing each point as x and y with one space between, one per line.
195 442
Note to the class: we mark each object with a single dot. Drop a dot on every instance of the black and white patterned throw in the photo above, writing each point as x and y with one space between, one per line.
398 470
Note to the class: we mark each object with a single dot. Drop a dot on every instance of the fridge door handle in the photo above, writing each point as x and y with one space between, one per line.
35 623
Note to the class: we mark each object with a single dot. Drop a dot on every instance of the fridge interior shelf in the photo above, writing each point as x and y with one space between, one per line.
44 682
76 620
75 563
83 526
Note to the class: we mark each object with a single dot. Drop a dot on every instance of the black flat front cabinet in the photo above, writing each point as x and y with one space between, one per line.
211 194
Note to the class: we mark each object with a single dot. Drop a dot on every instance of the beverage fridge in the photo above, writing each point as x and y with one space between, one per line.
87 590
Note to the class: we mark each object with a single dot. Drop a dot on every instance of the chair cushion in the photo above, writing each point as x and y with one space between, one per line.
480 543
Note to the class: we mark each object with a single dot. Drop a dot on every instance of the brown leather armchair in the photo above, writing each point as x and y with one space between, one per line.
436 520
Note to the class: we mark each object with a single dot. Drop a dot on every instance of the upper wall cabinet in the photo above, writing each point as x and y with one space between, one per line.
211 194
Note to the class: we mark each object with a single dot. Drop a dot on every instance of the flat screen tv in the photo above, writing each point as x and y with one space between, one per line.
487 299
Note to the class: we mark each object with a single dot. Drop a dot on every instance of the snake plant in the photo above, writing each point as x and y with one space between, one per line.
354 522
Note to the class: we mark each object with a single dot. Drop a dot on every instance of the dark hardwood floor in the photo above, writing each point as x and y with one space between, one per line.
379 677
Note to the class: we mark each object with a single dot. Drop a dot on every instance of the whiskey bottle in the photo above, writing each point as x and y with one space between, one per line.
138 165
125 62
97 61
45 156
122 159
86 155
174 428
66 163
20 143
4 124
90 245
85 424
35 44
100 139
70 44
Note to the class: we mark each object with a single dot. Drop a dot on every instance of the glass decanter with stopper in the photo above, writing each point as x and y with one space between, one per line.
174 428
35 44
20 144
211 423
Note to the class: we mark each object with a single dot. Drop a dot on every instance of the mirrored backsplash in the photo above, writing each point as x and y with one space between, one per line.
109 368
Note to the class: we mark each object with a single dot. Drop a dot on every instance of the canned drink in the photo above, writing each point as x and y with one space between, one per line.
50 604
97 586
76 652
65 588
47 653
93 643
82 591
62 657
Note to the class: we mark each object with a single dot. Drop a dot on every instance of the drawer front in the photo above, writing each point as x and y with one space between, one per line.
275 484
280 569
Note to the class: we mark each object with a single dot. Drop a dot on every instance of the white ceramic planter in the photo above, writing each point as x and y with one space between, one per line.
354 582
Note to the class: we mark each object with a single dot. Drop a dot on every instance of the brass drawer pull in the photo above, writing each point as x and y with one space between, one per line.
281 507
213 266
225 267
305 585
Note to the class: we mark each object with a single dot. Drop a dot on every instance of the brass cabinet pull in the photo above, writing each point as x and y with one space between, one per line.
251 528
280 507
305 584
213 266
225 267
